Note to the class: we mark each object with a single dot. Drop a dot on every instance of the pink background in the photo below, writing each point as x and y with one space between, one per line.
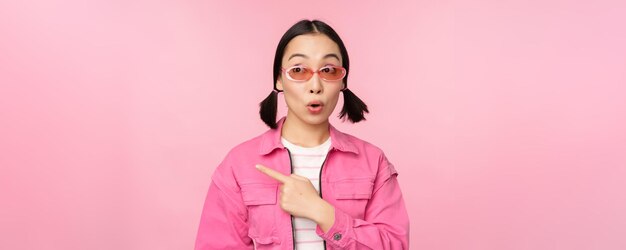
505 119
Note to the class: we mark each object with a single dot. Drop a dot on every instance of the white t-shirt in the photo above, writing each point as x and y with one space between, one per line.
307 162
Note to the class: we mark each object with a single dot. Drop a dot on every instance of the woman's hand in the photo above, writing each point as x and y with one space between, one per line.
298 197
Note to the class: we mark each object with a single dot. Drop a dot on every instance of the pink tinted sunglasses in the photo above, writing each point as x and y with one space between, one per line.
301 73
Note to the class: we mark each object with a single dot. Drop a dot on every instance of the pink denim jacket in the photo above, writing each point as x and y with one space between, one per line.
241 210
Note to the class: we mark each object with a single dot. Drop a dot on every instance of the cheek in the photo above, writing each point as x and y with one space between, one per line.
293 88
334 99
292 98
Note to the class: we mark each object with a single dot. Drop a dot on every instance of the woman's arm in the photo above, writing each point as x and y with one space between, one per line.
386 222
223 223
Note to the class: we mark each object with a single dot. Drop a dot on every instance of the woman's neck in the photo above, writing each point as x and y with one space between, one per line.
303 134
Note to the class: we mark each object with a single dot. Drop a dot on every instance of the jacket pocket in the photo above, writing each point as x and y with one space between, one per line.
353 195
353 189
260 200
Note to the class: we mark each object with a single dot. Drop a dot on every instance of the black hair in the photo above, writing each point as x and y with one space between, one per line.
353 107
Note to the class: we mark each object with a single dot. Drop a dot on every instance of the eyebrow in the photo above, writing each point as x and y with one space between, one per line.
326 56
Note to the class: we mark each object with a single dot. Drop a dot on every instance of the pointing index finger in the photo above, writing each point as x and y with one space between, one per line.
272 173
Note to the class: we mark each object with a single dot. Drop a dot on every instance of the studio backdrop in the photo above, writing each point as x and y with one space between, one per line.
504 119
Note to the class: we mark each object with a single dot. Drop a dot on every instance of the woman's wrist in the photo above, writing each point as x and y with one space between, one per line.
324 215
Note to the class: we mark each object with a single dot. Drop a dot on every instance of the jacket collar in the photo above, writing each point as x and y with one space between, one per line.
270 140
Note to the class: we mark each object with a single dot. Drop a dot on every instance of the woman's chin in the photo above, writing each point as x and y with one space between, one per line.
314 119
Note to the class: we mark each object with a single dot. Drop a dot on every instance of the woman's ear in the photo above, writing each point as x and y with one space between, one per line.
279 85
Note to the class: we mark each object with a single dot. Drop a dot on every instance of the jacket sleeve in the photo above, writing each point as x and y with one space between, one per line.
386 222
223 223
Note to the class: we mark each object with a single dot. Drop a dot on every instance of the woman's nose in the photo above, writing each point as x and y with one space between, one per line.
316 85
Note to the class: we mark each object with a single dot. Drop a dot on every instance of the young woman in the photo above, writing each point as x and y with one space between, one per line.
303 184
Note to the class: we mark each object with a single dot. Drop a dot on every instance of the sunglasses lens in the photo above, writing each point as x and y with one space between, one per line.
299 73
332 73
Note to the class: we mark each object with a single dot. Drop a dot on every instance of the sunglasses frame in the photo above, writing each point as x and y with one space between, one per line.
343 70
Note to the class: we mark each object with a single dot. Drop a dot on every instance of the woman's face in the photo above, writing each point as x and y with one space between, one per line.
313 51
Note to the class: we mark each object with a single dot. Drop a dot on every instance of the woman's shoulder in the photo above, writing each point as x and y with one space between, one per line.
242 156
249 146
362 145
371 152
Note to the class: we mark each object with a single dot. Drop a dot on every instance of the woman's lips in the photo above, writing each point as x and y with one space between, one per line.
314 102
315 108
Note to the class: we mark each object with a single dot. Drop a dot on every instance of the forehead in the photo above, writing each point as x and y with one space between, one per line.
315 46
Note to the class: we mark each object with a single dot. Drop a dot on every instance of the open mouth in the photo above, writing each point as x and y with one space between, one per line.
315 107
315 103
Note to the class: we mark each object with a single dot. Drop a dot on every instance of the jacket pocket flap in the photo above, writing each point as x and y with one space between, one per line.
259 194
353 189
265 240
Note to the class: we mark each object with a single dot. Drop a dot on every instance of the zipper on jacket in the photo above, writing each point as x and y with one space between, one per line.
293 232
320 183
